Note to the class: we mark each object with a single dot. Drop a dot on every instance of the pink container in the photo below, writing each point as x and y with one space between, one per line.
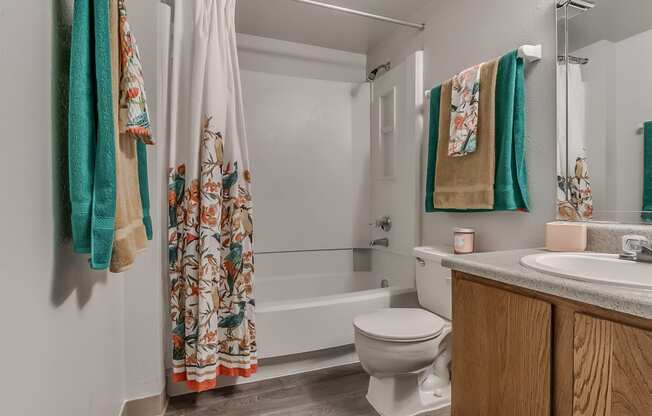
463 240
566 236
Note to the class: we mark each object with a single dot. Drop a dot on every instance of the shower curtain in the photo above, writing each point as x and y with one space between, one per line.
574 194
210 234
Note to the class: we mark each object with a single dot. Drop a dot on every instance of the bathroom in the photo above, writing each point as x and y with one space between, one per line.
324 91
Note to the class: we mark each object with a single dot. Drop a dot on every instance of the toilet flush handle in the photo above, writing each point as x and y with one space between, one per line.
421 262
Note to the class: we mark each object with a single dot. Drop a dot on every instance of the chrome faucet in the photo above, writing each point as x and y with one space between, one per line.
383 242
637 248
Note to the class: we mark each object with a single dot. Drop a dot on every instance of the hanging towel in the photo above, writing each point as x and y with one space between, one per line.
143 183
464 105
647 172
103 220
468 182
134 116
433 141
82 122
130 234
91 141
510 188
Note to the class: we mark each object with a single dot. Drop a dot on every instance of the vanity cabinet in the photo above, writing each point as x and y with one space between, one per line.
612 368
501 352
520 352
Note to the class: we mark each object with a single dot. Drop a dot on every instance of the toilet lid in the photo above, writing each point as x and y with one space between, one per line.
400 325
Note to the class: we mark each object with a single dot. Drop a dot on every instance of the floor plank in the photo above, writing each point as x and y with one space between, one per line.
336 391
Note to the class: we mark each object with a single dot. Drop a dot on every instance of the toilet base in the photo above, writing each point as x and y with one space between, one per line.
407 394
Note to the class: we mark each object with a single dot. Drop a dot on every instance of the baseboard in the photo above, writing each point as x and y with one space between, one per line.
155 405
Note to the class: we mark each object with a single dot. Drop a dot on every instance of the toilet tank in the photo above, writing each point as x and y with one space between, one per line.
433 280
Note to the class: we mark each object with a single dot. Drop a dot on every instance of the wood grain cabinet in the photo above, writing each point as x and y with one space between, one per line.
612 368
520 352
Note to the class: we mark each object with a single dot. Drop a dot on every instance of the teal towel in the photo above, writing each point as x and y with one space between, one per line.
435 97
511 175
647 171
511 188
81 126
141 150
91 134
103 220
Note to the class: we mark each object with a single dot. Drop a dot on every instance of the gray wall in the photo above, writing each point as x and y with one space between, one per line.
461 33
75 342
145 314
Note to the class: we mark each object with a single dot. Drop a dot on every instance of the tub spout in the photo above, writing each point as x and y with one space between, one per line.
383 242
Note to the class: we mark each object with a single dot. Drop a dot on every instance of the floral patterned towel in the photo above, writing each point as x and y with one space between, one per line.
134 116
465 101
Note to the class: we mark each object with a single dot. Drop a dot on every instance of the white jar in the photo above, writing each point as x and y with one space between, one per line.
463 240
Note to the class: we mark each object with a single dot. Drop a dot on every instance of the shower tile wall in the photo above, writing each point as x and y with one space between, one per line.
308 131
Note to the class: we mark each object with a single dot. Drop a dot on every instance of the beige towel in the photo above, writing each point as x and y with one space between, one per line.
130 236
468 182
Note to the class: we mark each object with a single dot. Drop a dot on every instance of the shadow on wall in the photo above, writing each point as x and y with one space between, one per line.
71 272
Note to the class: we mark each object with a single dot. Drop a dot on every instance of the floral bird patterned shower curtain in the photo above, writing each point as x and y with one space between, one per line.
210 231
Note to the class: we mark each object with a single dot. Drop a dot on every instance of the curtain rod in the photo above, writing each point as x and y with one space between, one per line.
419 26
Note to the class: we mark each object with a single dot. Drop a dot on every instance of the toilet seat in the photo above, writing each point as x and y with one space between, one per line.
400 325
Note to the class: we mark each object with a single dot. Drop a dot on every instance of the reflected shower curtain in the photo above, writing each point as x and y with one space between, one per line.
210 211
574 194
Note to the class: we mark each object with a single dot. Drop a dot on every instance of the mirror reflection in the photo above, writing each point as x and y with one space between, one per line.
604 104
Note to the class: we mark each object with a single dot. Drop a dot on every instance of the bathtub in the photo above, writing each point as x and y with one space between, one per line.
308 312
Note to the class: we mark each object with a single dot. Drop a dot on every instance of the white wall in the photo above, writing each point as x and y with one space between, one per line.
76 342
63 342
308 135
144 313
274 56
461 33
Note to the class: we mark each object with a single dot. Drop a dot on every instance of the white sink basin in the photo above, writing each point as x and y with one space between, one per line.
605 269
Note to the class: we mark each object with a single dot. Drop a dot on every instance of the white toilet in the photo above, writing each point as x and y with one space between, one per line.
407 352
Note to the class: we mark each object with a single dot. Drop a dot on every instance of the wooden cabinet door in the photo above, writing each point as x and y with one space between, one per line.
612 368
501 352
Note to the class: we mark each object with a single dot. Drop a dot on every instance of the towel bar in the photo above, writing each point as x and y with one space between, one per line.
529 53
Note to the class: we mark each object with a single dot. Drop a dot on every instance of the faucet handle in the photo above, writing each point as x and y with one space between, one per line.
634 244
383 223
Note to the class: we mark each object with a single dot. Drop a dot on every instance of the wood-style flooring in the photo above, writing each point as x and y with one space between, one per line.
332 392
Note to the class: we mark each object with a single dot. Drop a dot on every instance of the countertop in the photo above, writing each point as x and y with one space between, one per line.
505 267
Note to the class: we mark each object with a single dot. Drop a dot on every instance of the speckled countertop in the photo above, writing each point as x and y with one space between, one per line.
505 267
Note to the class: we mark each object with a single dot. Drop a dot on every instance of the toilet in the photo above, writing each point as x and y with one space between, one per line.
407 352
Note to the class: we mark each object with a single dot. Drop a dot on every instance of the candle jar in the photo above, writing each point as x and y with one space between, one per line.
463 240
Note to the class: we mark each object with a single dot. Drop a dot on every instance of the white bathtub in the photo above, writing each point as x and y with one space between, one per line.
308 312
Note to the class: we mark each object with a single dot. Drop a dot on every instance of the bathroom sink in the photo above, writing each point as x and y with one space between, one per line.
598 268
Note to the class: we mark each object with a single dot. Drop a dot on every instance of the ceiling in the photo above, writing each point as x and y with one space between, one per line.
295 22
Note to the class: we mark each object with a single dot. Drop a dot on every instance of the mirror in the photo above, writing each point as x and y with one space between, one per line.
604 99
